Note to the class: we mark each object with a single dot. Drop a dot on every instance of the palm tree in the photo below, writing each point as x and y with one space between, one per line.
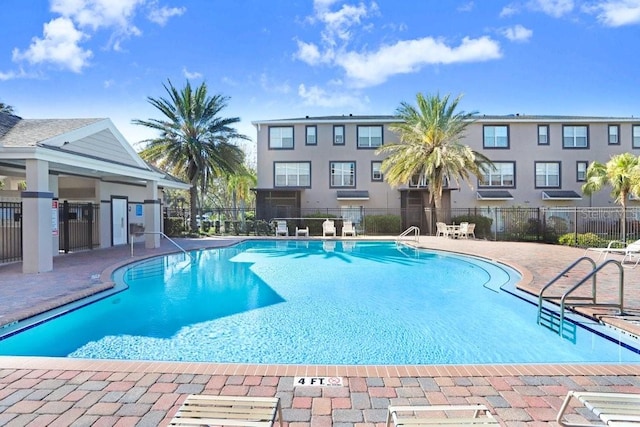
622 173
430 147
6 108
194 142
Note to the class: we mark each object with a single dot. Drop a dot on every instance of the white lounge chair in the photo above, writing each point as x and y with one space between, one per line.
461 230
302 231
281 228
347 229
615 247
200 409
613 409
440 415
328 228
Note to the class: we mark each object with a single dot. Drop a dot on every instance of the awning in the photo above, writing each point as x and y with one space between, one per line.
493 195
352 195
560 195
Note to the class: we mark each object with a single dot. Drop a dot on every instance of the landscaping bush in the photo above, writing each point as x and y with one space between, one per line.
583 240
174 226
483 224
383 224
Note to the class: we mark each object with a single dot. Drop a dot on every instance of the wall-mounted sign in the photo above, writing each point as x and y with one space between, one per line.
54 217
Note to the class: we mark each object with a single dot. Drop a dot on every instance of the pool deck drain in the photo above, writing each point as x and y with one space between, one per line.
70 392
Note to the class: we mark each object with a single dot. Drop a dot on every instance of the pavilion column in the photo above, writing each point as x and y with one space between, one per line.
37 219
152 216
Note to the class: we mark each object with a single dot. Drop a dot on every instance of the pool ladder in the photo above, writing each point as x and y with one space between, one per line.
552 315
187 254
413 229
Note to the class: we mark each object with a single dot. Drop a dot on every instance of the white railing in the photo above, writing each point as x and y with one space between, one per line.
163 235
413 229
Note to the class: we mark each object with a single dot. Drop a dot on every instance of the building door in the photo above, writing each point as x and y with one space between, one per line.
119 221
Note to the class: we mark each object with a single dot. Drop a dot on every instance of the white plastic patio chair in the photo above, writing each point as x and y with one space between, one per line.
281 228
328 228
441 229
347 229
302 231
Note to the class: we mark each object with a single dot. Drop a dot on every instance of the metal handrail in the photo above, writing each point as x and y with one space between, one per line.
166 237
413 229
565 299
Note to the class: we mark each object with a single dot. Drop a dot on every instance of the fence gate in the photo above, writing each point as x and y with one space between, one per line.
78 227
10 231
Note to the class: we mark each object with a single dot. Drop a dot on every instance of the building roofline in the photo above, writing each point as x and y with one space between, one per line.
482 118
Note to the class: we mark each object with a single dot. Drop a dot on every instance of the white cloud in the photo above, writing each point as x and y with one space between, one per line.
338 23
310 53
318 97
108 83
372 67
509 10
191 74
275 87
616 13
79 20
466 7
59 46
555 8
161 15
408 56
517 33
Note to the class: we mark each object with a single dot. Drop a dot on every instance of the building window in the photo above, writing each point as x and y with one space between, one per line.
290 174
636 136
581 171
369 136
281 137
543 134
547 174
338 135
575 136
376 173
502 174
311 135
614 134
343 174
496 136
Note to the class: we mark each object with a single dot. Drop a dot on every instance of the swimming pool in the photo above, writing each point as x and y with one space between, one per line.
315 302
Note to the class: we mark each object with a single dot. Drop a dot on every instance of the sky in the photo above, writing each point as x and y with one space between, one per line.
282 59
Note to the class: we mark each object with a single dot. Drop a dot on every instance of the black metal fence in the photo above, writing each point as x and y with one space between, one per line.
578 226
10 231
78 226
372 222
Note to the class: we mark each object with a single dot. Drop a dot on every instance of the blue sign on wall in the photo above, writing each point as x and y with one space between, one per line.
138 210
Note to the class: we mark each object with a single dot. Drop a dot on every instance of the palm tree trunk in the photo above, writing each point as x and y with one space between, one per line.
623 202
193 200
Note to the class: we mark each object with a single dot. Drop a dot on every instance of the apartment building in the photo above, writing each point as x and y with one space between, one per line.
329 163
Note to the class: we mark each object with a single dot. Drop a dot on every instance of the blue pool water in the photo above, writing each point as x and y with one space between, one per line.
314 302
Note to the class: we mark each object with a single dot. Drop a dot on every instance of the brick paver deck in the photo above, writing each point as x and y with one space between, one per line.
69 392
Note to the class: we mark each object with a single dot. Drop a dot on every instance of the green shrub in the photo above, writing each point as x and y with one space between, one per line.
174 226
383 224
584 240
483 224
